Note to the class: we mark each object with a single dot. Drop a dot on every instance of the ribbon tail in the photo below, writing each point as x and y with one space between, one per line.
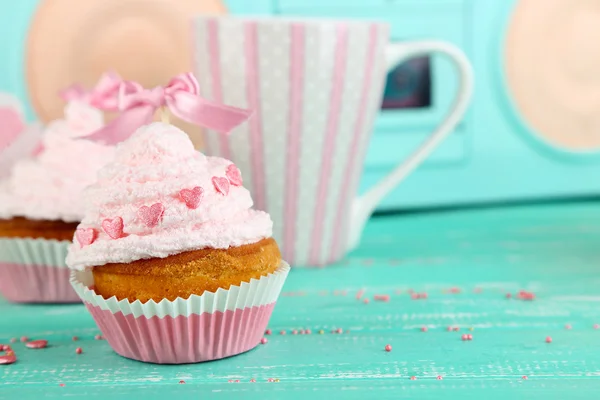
211 115
123 126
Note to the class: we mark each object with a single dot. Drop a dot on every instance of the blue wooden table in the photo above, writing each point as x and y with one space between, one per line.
465 261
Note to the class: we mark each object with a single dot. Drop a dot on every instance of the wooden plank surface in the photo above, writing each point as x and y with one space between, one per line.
551 250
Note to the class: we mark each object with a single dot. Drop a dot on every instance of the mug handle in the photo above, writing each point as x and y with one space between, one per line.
363 206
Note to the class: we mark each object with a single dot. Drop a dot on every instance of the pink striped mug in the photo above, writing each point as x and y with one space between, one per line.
316 87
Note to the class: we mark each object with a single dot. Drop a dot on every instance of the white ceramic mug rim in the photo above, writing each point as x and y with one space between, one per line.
288 20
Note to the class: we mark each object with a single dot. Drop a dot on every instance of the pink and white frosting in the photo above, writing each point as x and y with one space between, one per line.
49 185
161 197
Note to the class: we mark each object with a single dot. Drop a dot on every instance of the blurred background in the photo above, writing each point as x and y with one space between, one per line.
532 132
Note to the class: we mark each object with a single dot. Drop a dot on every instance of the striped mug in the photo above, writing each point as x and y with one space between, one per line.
316 87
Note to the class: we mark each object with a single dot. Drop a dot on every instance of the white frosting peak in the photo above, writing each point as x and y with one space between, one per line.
152 168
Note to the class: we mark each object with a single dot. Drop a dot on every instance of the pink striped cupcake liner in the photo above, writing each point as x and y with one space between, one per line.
34 271
200 328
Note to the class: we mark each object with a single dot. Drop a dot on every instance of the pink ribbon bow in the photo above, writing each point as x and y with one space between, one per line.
104 95
180 96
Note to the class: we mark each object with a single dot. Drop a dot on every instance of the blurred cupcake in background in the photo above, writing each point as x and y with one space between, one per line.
41 205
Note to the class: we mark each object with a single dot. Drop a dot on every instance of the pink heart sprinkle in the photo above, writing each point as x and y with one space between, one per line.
85 236
192 197
8 359
221 184
113 227
234 175
37 344
151 216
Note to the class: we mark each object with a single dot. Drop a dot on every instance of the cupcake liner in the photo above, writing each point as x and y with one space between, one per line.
200 328
34 271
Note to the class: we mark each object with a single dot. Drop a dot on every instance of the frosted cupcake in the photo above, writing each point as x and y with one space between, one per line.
41 205
170 259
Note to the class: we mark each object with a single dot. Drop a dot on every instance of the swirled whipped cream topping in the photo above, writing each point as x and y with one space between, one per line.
48 186
161 197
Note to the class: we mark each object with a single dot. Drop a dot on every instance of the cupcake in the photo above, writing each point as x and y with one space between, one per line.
170 259
41 205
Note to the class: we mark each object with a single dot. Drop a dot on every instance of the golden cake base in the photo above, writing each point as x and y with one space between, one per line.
20 227
184 274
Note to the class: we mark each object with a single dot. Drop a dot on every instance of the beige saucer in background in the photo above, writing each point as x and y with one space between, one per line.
74 41
552 65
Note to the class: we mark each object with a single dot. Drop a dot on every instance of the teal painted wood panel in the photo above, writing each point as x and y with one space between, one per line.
551 250
254 7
